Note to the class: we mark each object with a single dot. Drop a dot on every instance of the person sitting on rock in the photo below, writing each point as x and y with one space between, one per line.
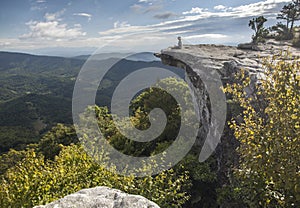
179 45
179 42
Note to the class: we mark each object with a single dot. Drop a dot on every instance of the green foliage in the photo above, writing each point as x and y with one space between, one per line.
140 108
10 159
290 13
36 181
269 136
51 143
257 24
202 175
204 180
231 196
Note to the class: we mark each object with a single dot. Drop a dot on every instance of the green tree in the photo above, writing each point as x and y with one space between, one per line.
269 131
290 13
257 24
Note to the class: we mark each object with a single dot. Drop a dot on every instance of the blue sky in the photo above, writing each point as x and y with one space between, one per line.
44 25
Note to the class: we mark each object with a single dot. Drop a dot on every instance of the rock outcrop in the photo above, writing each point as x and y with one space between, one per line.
225 60
101 197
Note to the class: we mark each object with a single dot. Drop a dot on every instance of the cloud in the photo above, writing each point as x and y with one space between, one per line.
41 1
50 17
267 7
195 10
165 15
52 29
119 24
54 16
4 43
89 16
146 8
222 8
136 7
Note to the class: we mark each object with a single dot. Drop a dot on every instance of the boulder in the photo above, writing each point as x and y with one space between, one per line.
101 197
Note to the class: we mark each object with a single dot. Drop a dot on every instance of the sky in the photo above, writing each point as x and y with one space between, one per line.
83 26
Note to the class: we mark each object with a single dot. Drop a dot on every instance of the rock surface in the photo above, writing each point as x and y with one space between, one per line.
226 59
101 197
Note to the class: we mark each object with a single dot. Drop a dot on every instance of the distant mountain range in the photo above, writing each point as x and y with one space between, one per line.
144 56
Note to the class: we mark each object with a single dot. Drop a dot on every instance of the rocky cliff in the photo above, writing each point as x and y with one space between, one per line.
224 61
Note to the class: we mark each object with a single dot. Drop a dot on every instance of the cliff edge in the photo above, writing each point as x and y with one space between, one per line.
224 61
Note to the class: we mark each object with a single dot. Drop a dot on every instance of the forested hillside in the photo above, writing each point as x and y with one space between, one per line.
36 92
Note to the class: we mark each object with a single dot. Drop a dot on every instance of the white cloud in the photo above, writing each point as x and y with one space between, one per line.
259 8
54 16
267 7
119 24
194 10
5 43
89 16
52 29
50 17
222 8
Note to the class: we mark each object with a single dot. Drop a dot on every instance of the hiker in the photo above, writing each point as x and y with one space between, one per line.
179 43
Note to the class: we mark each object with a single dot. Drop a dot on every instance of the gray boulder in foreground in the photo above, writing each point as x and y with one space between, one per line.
101 197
